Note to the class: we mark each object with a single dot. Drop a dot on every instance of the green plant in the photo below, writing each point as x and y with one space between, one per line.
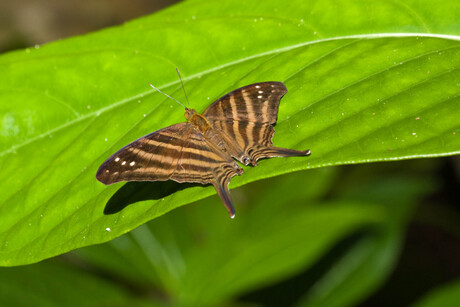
366 83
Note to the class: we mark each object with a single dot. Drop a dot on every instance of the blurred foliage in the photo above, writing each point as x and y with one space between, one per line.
354 95
343 227
448 295
322 237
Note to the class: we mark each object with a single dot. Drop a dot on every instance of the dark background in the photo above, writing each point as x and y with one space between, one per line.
25 23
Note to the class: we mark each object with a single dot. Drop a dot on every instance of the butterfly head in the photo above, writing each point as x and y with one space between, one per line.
189 113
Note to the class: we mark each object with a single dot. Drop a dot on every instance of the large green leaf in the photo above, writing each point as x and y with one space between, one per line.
55 283
192 257
364 85
214 259
155 253
367 264
447 295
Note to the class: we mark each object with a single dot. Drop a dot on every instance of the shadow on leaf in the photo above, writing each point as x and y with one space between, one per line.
133 192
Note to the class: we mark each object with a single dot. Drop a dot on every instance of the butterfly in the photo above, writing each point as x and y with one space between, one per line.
203 150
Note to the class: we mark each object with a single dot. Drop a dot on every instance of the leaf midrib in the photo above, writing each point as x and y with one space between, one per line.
216 68
108 108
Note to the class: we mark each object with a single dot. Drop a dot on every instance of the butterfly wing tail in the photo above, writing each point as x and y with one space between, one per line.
270 152
285 152
224 194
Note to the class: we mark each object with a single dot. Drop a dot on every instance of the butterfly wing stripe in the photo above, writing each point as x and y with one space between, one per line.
250 109
242 131
266 135
232 109
242 105
136 161
255 99
188 169
235 132
154 145
265 110
251 137
151 145
159 158
163 155
246 134
227 106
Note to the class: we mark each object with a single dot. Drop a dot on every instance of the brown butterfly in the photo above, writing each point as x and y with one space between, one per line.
239 125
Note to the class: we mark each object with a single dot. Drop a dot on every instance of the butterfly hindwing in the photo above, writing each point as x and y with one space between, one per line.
177 152
201 161
245 117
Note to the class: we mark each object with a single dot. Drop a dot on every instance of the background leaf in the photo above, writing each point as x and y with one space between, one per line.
20 287
369 260
194 258
447 295
358 92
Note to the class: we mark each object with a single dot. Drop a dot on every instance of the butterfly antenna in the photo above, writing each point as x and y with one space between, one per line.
167 95
183 87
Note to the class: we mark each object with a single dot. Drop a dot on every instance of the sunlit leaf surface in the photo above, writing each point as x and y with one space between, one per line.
360 89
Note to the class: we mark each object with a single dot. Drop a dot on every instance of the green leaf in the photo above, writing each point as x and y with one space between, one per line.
54 283
366 83
447 295
195 258
286 231
214 259
366 265
155 253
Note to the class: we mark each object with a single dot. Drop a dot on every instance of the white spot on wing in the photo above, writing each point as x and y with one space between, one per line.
132 163
257 86
117 159
260 96
123 163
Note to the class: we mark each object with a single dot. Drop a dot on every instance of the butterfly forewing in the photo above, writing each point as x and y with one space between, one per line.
246 116
150 158
253 103
179 153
